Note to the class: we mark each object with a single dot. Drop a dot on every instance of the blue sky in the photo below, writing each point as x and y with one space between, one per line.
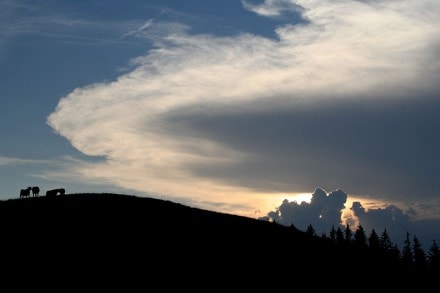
246 107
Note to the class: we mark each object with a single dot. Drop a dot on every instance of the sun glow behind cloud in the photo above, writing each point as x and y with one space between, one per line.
138 123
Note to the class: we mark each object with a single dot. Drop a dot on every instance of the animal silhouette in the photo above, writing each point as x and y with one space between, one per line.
35 191
55 192
25 192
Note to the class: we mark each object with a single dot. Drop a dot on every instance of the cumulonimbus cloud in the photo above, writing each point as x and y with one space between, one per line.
141 123
323 211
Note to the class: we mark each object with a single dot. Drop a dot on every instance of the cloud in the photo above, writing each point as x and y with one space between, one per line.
17 161
397 222
391 217
272 8
231 120
327 210
323 211
31 19
140 29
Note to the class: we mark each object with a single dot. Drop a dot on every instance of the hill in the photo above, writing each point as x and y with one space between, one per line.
110 232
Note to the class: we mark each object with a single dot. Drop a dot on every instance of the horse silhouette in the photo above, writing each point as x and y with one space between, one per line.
25 192
55 192
35 191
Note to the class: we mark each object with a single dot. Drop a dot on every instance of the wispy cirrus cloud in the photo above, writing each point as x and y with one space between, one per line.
41 19
18 161
272 8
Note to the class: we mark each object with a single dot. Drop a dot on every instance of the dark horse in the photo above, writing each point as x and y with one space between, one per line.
25 192
35 191
55 192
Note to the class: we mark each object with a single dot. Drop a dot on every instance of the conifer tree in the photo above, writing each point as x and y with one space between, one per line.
360 239
419 254
407 253
385 241
395 253
310 230
339 236
348 234
434 257
333 234
373 240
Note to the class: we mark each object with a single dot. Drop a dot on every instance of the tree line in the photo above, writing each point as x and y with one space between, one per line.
412 256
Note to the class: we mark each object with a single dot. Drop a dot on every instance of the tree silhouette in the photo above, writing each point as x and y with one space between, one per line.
360 239
395 252
333 234
407 253
310 230
348 234
388 248
420 261
411 261
385 241
340 239
434 257
374 241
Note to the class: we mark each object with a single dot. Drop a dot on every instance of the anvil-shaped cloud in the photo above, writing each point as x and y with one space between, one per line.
347 98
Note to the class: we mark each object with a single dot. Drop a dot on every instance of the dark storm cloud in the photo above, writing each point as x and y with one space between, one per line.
397 222
391 147
391 218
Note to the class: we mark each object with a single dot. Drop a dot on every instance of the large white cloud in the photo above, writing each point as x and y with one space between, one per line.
346 50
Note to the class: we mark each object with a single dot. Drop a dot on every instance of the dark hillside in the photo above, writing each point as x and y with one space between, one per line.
111 232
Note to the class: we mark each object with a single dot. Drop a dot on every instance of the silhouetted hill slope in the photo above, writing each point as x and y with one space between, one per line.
122 233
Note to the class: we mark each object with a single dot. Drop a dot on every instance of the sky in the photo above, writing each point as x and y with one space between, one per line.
321 112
